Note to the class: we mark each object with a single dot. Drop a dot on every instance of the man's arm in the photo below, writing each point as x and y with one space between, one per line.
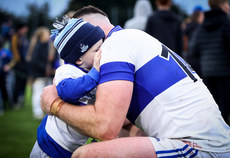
103 120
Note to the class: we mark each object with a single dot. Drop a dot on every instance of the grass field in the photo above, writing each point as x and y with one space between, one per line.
17 132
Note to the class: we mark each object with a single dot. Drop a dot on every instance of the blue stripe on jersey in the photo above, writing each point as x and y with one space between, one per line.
116 71
150 80
48 145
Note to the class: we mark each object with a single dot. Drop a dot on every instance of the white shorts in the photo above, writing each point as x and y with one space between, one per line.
166 148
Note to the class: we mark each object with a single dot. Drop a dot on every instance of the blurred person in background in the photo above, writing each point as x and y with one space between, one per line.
5 58
165 26
41 55
7 31
211 45
19 45
142 10
190 25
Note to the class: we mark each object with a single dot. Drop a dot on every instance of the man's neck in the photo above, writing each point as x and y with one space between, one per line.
108 29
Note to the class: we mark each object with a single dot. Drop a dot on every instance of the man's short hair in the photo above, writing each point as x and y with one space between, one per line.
216 3
88 10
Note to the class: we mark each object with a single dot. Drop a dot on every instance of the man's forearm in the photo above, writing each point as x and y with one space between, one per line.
92 120
103 120
85 119
75 116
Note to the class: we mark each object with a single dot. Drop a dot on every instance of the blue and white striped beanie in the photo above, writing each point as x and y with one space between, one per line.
75 38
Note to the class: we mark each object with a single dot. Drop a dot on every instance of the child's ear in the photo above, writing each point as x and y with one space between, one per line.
79 62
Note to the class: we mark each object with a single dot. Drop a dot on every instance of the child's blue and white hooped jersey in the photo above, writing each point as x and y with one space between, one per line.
169 99
55 137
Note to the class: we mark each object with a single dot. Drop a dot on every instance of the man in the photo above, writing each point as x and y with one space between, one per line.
211 47
144 80
166 26
19 45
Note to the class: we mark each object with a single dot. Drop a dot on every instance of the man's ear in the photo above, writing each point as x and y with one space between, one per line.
79 62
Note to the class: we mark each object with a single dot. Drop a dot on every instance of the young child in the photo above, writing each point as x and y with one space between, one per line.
77 42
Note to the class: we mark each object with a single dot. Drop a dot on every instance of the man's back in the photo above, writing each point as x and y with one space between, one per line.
169 100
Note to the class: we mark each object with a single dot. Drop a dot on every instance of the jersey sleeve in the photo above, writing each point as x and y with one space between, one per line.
114 65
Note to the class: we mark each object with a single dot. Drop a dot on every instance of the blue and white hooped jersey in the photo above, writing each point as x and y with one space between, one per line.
169 99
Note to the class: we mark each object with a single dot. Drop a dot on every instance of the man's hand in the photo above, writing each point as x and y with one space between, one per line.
48 95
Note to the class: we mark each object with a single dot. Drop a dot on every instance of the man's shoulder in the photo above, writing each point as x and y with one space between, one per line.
126 34
125 38
128 38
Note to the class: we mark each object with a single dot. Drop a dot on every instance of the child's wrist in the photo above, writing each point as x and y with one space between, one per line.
56 106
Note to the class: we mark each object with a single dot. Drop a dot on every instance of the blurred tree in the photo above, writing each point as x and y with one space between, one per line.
38 16
4 15
118 10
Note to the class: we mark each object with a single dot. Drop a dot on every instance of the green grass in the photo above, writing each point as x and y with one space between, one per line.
18 131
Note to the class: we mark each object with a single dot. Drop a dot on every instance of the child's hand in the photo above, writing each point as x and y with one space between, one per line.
96 63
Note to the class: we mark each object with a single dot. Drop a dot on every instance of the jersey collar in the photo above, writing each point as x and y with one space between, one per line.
115 29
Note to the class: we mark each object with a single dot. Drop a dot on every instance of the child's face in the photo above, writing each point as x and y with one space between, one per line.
88 57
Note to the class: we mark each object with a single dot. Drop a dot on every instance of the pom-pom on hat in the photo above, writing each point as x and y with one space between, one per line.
75 37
